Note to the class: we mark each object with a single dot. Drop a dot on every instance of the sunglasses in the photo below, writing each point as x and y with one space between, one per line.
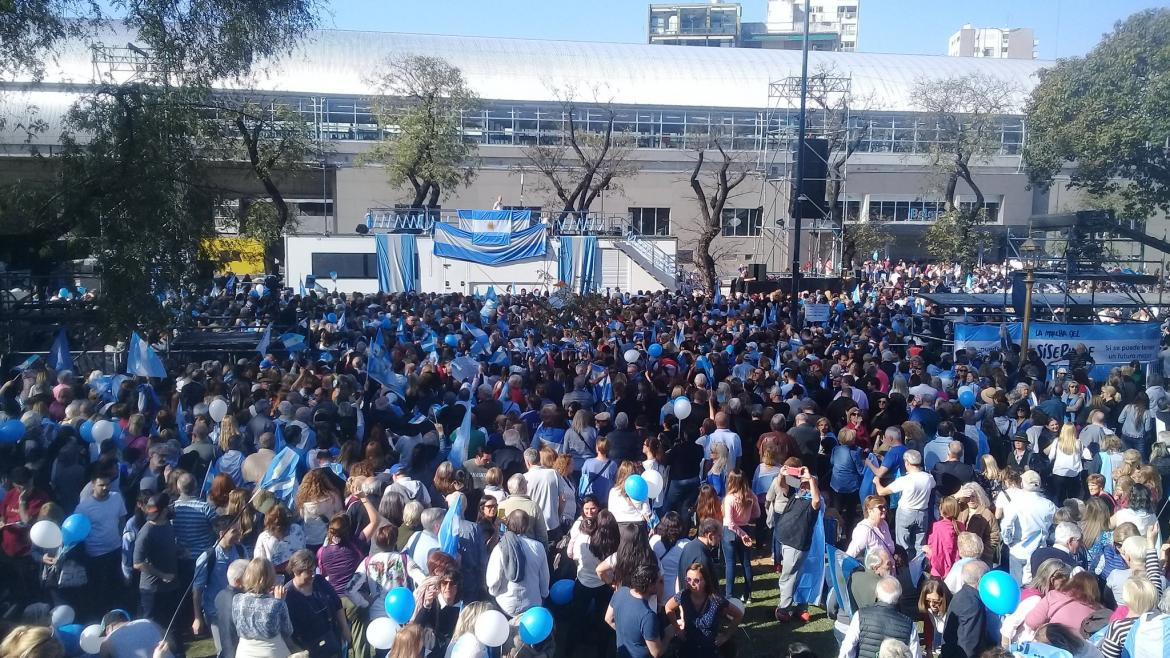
694 581
882 507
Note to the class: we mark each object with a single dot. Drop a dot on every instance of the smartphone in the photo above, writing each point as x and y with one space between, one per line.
792 471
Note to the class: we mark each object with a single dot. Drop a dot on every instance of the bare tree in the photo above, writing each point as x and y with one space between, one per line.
592 156
422 98
967 112
722 179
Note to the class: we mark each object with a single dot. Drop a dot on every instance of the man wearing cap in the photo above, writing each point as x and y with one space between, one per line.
156 559
915 488
127 637
1025 523
408 487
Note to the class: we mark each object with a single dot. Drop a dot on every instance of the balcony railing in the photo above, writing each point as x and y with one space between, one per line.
422 220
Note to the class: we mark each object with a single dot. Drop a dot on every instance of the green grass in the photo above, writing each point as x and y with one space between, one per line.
760 635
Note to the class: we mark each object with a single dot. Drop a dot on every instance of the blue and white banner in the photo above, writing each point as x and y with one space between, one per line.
397 262
453 242
493 227
1109 344
579 263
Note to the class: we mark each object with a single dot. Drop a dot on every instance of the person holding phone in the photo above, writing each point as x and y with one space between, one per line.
794 513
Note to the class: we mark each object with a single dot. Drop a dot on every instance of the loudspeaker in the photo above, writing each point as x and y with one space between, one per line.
758 271
816 172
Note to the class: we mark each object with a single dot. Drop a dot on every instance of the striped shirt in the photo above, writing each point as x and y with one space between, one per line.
1118 632
193 522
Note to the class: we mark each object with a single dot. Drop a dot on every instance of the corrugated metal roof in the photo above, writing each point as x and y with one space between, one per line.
340 62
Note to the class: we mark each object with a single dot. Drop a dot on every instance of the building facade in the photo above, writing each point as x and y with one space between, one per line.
826 17
668 102
993 42
714 24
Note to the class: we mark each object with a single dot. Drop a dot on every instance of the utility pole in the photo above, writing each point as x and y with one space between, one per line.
796 191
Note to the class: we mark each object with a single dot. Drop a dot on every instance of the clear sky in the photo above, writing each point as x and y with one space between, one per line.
1063 27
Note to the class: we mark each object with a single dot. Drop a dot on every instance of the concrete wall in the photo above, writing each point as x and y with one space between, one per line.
438 274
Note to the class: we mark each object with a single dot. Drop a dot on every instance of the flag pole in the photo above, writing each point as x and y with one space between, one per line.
799 184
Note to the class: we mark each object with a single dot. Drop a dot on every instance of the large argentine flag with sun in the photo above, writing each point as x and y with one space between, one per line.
493 227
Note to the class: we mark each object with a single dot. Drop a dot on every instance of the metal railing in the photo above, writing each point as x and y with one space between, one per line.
658 259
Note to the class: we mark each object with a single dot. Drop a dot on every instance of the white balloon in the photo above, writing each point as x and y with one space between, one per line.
218 409
62 615
102 430
737 604
654 482
491 628
467 647
682 408
632 356
381 631
91 639
46 535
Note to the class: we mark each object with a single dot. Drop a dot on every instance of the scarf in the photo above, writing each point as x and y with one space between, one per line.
512 555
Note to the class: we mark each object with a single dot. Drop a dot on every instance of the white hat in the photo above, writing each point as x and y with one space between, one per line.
1030 481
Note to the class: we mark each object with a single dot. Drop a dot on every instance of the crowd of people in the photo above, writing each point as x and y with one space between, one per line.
632 463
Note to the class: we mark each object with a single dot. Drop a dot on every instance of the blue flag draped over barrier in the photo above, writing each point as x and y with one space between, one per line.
60 358
452 242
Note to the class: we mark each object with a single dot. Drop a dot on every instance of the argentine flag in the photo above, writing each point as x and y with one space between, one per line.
293 342
487 227
281 478
141 359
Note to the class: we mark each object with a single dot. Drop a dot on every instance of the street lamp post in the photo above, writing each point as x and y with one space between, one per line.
1028 254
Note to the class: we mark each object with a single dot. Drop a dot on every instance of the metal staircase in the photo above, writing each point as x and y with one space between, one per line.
661 265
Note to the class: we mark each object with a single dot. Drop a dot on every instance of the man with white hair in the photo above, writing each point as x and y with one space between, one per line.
965 628
518 499
874 624
1066 548
1025 523
915 487
426 540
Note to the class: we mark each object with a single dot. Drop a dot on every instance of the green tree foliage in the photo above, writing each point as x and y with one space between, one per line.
419 102
136 191
1107 113
957 237
862 239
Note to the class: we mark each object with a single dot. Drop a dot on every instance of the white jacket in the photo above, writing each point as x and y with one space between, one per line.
514 598
1029 513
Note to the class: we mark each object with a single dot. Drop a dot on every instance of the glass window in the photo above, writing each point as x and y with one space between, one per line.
650 221
742 222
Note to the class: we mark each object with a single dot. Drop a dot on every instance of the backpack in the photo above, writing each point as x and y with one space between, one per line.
585 486
1149 637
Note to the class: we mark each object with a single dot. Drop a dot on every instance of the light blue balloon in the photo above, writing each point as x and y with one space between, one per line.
536 624
451 340
332 317
63 293
333 275
561 592
655 350
400 604
70 636
999 592
967 397
75 529
637 489
86 431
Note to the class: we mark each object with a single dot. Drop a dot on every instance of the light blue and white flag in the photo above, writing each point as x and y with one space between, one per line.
481 338
379 367
265 341
493 227
449 530
491 294
141 359
293 342
281 477
60 358
452 242
500 358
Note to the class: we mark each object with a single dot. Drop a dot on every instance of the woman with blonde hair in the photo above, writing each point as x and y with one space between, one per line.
624 508
1096 529
1139 596
466 622
1050 576
260 614
1065 456
581 440
410 642
317 501
231 458
977 517
720 467
1112 458
990 476
31 642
